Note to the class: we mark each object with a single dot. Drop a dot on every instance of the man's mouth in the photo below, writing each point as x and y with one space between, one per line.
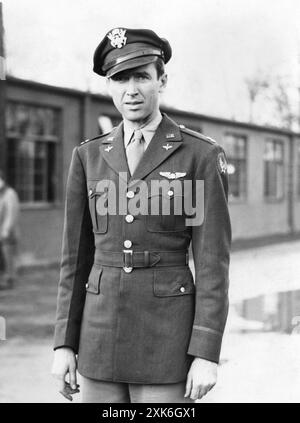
133 103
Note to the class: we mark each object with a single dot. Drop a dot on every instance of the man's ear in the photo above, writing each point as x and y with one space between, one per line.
163 82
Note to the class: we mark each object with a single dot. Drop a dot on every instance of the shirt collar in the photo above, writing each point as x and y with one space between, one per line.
148 130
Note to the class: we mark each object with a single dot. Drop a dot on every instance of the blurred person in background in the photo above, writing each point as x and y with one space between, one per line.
9 214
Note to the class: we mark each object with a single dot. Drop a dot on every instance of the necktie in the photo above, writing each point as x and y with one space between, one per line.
135 150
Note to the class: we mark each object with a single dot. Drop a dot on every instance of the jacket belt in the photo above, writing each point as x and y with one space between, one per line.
129 259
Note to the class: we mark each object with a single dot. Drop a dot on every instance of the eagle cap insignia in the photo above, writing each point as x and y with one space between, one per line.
117 37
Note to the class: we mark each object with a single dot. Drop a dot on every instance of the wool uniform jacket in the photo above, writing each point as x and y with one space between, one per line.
140 316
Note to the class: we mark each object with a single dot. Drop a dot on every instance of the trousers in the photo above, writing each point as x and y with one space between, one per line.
9 252
98 391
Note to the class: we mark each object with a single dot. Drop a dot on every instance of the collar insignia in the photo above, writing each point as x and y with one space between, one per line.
117 37
167 147
108 148
170 136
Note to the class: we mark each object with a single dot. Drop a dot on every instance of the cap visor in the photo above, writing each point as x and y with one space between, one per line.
130 64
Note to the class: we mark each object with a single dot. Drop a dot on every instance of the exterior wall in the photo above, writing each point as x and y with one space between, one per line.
283 315
41 226
255 216
296 182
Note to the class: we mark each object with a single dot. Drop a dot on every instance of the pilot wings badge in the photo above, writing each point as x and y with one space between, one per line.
172 175
117 37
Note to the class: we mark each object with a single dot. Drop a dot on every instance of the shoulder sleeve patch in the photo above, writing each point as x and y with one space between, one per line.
222 162
196 134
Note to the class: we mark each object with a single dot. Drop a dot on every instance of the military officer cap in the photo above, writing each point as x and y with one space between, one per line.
124 48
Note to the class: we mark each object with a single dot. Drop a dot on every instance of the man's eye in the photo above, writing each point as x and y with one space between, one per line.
141 77
119 78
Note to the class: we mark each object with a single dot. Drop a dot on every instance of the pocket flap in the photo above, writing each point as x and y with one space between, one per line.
97 188
93 284
173 282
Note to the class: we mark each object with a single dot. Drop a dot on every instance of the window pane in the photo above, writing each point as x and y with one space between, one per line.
279 151
51 172
40 172
273 156
25 170
269 151
279 181
298 157
31 151
235 149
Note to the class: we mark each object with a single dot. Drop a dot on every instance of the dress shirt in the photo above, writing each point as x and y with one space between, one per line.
148 130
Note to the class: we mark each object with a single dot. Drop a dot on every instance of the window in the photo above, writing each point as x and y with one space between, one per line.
32 135
273 169
235 150
105 124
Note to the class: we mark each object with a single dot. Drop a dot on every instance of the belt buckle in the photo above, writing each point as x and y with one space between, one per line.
127 260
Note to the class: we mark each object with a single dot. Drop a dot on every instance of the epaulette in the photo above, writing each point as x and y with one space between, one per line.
197 134
95 138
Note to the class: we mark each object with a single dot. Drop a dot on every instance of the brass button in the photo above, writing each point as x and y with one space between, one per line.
182 289
170 193
129 218
86 285
128 269
90 192
127 243
130 194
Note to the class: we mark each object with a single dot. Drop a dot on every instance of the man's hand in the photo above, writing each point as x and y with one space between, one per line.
64 363
201 378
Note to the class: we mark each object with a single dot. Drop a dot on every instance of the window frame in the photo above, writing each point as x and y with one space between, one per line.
241 199
273 199
58 161
298 170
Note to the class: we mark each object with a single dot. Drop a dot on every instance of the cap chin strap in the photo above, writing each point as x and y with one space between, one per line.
133 55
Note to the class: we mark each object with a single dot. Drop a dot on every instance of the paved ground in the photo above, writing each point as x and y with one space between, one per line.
255 367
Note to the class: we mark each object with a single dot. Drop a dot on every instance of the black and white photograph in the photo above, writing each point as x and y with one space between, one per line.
149 203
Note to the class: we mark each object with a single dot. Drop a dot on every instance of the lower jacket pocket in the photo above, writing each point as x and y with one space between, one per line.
173 282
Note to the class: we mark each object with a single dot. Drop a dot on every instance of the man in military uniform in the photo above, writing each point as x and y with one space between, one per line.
144 329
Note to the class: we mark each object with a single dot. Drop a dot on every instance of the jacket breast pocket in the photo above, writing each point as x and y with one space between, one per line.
98 204
173 282
165 213
93 284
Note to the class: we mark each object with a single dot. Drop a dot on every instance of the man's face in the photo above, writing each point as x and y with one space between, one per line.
135 92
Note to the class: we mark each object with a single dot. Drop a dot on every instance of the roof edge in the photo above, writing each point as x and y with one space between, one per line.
165 108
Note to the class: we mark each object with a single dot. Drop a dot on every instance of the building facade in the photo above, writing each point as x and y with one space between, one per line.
44 123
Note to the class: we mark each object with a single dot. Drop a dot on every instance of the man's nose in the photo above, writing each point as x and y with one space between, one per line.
132 87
